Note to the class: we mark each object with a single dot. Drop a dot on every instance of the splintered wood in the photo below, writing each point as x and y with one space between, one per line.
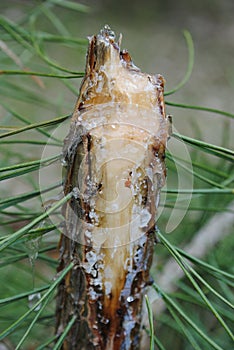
115 169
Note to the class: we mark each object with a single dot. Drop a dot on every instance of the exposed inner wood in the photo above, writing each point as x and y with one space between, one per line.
115 167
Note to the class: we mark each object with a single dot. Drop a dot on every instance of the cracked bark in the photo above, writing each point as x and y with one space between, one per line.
115 167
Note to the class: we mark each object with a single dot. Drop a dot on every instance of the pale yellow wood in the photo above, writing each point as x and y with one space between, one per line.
117 172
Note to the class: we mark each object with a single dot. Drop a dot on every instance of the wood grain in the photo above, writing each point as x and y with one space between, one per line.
115 167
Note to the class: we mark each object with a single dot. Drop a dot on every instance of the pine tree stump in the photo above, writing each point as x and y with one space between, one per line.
115 168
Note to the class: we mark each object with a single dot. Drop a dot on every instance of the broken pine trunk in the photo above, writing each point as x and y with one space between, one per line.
115 168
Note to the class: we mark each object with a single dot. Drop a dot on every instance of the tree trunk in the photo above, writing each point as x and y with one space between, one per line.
115 167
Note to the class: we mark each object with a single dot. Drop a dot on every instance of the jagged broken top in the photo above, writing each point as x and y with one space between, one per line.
111 76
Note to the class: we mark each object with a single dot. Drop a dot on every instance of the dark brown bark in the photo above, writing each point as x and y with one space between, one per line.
115 168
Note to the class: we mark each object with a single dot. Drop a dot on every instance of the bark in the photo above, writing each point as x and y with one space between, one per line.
115 167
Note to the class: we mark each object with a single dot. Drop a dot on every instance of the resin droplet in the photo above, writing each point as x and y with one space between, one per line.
64 162
33 299
107 32
145 217
32 246
130 299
